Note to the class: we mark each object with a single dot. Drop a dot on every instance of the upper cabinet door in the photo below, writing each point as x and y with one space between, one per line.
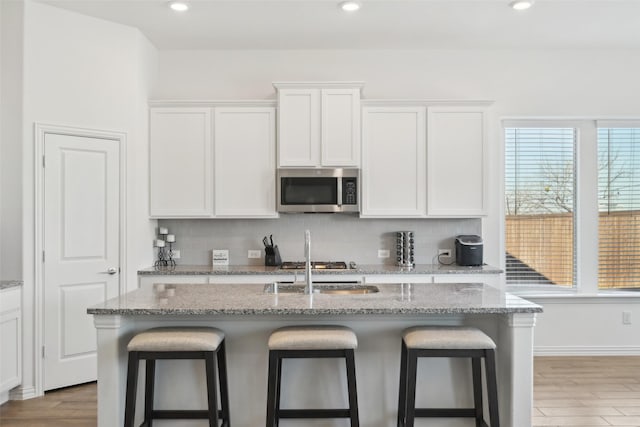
394 162
457 161
180 163
340 127
298 127
319 125
245 162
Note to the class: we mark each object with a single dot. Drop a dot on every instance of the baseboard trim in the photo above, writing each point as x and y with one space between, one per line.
22 393
586 351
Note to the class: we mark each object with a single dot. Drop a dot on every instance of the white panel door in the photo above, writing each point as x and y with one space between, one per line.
180 163
245 162
299 127
81 250
457 161
341 127
394 162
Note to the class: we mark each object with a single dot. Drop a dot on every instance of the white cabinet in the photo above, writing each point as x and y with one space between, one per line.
180 162
394 162
10 338
457 161
318 126
245 162
212 153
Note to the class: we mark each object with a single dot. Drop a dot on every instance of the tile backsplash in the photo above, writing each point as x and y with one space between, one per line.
334 237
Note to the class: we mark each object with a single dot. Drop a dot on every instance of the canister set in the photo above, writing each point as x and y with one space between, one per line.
404 249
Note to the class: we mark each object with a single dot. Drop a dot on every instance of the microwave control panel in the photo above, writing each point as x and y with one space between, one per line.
349 191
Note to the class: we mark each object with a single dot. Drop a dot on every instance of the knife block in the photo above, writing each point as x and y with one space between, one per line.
272 257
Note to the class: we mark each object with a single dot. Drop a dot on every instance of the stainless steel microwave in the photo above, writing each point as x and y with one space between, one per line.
318 190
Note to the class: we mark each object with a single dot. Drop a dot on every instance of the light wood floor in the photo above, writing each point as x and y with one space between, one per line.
587 391
568 391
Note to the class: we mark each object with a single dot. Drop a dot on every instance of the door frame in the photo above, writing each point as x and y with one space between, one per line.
40 131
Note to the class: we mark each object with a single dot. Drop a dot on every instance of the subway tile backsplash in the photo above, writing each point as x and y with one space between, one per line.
334 237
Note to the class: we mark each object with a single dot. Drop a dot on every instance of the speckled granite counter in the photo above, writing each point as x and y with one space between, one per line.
7 284
393 299
361 269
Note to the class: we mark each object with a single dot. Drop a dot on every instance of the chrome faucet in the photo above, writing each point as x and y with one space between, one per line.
308 282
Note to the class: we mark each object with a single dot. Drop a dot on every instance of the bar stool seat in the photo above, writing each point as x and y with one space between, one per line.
313 338
178 343
447 341
324 341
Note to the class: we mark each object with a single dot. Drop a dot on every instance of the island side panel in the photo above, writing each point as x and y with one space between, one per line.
515 375
113 334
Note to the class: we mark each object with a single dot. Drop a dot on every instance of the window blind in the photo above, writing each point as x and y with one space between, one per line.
540 205
619 207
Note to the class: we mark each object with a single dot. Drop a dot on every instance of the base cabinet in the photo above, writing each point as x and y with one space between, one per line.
10 339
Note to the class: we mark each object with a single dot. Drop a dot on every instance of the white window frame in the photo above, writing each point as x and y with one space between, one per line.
586 215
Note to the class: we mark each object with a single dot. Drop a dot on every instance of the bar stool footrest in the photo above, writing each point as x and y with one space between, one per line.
445 412
313 413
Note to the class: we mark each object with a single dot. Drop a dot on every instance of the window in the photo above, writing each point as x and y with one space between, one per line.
619 207
540 189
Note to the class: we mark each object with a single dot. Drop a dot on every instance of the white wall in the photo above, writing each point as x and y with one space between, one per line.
531 83
85 72
11 57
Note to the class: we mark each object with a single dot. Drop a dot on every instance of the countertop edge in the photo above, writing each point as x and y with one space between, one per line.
201 270
305 312
9 284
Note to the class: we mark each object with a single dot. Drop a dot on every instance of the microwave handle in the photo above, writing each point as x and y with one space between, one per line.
339 191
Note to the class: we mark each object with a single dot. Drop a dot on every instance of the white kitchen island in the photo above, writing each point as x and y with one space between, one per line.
247 315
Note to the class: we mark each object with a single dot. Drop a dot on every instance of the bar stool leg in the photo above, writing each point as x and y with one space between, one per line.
402 392
353 392
211 388
224 390
477 389
492 387
272 385
150 377
278 388
132 388
412 368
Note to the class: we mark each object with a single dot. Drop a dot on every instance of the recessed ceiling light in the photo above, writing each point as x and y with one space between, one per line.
349 6
179 6
521 4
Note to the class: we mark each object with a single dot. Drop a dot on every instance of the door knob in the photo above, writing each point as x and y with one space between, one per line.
110 270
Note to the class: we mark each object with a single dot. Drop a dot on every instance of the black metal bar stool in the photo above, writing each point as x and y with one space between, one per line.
442 341
311 342
178 343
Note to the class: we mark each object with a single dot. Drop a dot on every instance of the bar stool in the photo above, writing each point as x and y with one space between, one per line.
177 343
442 341
310 342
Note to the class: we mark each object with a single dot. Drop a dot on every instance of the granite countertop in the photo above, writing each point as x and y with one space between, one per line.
6 284
247 299
361 269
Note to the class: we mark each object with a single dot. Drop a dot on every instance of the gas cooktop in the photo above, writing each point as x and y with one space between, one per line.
318 265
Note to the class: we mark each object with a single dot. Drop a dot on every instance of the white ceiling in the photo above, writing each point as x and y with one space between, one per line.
380 24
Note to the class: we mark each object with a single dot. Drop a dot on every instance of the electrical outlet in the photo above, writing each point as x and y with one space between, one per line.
383 253
444 252
254 253
176 254
626 317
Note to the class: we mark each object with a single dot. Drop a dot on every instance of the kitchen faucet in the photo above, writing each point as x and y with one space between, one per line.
308 282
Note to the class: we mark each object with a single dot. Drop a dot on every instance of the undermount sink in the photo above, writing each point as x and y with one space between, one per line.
333 288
